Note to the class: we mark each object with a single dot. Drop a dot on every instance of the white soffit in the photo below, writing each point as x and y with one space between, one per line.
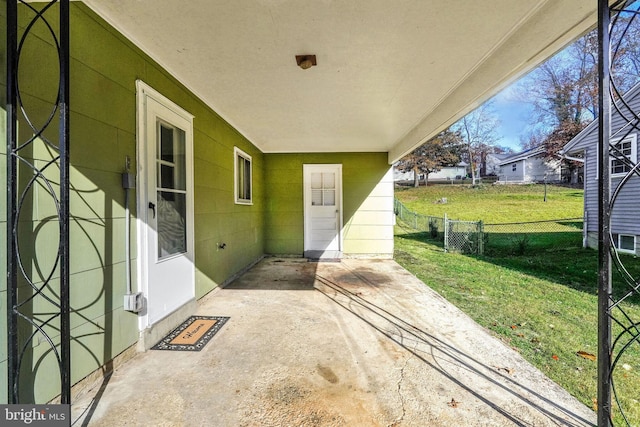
389 74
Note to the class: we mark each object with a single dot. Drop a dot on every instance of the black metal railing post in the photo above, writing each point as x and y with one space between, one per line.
24 173
12 270
63 107
604 242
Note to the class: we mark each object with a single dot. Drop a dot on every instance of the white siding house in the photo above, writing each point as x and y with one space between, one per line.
492 163
446 173
625 226
527 167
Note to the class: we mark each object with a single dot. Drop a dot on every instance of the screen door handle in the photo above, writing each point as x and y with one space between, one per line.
153 208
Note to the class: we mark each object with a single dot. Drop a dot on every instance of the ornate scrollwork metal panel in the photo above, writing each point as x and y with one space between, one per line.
37 170
619 172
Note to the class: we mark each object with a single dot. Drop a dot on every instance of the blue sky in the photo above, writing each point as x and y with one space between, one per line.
514 116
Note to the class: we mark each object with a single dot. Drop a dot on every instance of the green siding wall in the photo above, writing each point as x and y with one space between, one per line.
367 202
104 69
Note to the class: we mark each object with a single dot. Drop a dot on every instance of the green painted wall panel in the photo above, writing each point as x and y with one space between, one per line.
98 146
3 380
3 326
284 211
110 102
106 44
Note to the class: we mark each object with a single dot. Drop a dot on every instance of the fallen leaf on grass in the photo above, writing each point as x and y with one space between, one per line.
520 335
595 404
586 355
555 357
453 403
514 326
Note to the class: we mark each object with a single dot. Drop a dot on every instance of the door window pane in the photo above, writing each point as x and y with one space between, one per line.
170 158
172 231
316 180
316 197
323 189
329 198
329 180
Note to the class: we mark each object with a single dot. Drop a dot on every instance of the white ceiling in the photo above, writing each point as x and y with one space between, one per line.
390 74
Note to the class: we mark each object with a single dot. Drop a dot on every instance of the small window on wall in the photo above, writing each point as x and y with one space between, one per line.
242 177
624 148
625 243
514 167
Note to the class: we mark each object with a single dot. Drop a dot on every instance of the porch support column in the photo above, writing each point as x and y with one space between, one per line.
12 192
63 107
604 218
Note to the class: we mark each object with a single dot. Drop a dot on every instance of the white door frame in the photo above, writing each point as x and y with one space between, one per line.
306 170
184 119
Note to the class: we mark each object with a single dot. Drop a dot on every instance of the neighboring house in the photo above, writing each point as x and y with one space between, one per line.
527 167
445 174
400 176
625 226
491 164
237 145
450 172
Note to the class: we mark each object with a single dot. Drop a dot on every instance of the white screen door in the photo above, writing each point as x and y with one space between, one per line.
323 209
165 210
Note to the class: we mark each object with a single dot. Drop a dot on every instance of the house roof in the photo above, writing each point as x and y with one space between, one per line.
389 75
571 147
526 154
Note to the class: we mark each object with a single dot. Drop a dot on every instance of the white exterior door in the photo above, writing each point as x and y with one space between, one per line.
322 209
166 271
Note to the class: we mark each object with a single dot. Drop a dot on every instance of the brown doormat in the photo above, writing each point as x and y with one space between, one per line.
193 334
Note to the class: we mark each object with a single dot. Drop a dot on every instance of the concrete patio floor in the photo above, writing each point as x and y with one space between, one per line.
351 343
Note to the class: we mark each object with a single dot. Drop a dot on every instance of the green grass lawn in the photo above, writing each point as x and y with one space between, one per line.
543 303
494 203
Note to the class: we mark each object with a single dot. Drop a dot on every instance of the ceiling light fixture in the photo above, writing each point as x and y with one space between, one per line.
306 61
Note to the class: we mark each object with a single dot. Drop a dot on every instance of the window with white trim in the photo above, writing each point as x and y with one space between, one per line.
242 177
625 243
626 147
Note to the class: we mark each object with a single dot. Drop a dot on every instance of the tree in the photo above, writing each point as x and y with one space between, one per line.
440 151
564 90
478 130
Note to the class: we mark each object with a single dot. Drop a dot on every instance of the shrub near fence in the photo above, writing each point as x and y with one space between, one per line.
476 237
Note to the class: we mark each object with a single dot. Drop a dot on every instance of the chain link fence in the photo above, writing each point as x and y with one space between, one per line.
475 237
520 237
457 236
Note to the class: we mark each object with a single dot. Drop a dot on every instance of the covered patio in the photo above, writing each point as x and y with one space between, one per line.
258 102
359 342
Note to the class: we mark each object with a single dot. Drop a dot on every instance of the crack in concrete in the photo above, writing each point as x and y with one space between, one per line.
399 421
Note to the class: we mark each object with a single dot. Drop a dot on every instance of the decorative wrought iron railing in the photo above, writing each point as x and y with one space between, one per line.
37 167
619 331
